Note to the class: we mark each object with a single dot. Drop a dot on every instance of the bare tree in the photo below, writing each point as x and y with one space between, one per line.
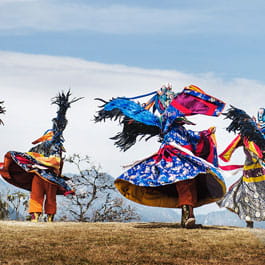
94 194
19 202
114 210
4 213
89 183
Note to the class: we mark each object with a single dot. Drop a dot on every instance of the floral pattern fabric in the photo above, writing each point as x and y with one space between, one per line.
170 165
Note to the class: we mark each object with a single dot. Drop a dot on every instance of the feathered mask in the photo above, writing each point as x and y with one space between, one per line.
52 141
2 111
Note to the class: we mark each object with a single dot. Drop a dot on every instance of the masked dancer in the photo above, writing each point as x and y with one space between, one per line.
246 197
183 173
40 170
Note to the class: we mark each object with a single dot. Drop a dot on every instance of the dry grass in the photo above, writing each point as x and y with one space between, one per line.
128 243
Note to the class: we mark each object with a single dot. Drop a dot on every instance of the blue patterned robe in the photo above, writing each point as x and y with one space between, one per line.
152 181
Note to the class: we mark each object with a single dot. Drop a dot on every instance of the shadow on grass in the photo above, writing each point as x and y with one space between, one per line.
157 225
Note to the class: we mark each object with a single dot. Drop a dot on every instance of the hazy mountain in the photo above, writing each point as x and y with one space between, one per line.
155 214
225 218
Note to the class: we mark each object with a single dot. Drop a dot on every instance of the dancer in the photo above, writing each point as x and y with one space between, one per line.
246 197
40 169
2 111
183 173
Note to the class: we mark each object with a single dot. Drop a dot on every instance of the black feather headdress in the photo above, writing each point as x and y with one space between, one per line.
2 110
59 123
246 126
55 144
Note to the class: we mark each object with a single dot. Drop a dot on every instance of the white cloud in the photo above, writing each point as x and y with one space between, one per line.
51 16
28 82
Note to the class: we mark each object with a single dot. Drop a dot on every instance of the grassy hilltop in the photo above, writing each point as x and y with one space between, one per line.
128 243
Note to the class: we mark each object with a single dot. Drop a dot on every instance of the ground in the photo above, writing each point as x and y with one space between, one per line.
128 243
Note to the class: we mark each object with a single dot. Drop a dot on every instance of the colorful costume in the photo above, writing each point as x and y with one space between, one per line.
183 173
246 197
39 170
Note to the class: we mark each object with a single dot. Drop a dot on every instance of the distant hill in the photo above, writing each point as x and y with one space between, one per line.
222 217
226 218
157 214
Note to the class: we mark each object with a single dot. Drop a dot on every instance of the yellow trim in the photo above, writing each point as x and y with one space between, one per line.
213 137
154 196
46 137
252 166
227 153
149 105
255 179
195 88
51 161
251 146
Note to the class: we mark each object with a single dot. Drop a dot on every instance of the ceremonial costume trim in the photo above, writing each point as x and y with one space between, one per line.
19 169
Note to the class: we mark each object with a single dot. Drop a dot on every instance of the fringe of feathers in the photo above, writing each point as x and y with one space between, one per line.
132 129
243 124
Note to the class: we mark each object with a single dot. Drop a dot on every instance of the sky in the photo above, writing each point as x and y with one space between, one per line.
123 48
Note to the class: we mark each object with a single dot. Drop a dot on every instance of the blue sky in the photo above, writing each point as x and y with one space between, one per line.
124 48
223 37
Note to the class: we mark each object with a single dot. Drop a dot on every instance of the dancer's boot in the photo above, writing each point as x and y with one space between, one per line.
50 217
35 217
250 224
187 218
184 214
